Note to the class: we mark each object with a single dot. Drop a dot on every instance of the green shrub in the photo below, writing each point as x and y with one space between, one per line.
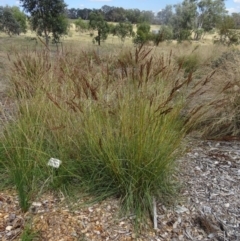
143 34
183 34
165 34
189 63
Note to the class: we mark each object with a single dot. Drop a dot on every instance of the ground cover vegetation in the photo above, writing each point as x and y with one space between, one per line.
117 116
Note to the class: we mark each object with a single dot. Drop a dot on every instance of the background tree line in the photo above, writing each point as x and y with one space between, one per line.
114 14
180 21
191 14
186 20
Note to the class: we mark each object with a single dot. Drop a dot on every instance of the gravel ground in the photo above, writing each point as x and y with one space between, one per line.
209 208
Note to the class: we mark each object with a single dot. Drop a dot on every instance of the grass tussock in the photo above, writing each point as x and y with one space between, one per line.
222 120
189 63
116 122
29 234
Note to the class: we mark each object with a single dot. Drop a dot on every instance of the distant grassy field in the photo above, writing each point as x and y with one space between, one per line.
75 39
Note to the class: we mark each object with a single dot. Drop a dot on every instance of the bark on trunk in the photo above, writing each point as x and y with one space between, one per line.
46 38
99 38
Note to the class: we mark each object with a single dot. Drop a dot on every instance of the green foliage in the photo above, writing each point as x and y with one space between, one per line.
97 22
59 28
210 13
192 14
184 34
47 16
227 34
189 63
123 30
81 25
29 234
112 28
164 33
27 167
8 23
28 156
113 14
146 16
236 19
133 15
143 34
165 15
183 20
198 33
21 18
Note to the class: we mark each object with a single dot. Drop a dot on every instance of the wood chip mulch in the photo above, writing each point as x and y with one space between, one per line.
209 208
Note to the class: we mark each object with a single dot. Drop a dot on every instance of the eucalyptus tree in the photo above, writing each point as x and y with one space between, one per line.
117 14
227 34
47 17
165 15
143 34
133 15
179 19
192 15
84 13
236 19
210 13
8 23
147 16
20 17
81 25
165 33
97 22
184 19
123 30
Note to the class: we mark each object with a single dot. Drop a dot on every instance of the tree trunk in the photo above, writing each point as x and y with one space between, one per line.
46 37
99 38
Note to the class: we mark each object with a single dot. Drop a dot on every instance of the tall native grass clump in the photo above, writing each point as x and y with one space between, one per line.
26 147
222 120
132 151
116 122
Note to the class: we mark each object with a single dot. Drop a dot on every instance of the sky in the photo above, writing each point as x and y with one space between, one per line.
152 5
